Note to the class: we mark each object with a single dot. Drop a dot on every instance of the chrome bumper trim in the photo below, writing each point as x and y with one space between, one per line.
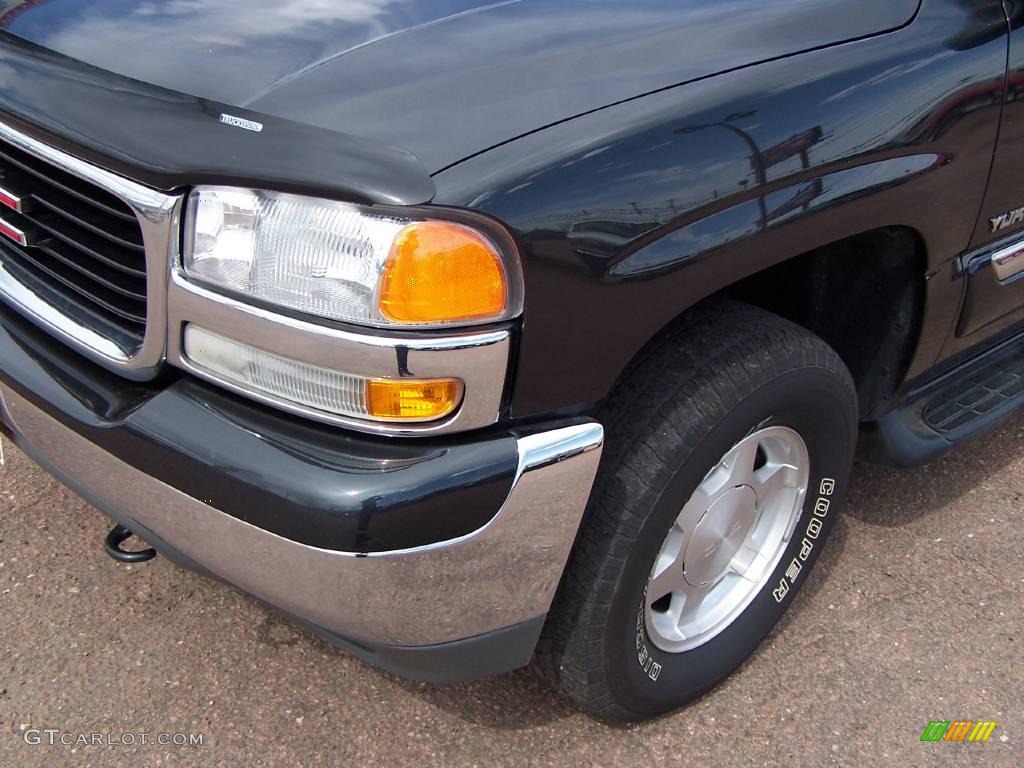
501 575
478 358
158 216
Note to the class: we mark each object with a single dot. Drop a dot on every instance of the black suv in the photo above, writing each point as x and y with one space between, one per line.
466 331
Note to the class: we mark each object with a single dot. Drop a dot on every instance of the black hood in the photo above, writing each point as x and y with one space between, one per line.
443 79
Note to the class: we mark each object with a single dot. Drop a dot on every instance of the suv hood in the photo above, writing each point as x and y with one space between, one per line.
444 79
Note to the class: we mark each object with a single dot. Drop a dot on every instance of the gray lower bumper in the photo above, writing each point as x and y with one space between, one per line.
502 575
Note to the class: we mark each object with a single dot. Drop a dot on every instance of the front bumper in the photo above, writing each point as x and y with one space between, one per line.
448 609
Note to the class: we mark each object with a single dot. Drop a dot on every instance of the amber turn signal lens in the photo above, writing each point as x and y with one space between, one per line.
441 272
412 399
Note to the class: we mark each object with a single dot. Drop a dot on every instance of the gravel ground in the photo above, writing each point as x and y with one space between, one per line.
915 613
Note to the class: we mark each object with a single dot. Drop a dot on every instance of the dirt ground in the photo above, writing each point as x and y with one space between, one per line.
915 613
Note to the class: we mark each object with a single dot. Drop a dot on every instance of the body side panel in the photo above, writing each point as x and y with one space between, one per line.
994 306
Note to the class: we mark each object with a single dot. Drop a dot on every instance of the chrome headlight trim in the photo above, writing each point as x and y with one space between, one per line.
479 358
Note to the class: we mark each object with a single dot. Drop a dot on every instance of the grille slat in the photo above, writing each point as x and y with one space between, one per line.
116 328
81 241
115 281
85 247
118 235
55 178
62 275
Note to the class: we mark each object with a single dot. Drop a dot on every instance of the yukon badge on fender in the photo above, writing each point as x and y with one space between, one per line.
1007 220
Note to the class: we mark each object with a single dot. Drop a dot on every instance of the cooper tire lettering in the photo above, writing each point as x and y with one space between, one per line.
811 533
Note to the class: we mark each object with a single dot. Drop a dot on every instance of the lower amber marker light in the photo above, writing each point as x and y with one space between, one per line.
412 399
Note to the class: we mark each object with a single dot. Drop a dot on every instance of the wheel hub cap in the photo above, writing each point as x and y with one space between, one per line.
727 540
719 535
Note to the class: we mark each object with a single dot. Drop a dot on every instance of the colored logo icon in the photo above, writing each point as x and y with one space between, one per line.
958 730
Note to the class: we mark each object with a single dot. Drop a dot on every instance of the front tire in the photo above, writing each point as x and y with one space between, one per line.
727 448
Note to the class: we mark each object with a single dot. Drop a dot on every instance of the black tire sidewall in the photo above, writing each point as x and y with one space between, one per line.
817 404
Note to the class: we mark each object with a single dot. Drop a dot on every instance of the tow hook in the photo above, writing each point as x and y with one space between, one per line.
117 536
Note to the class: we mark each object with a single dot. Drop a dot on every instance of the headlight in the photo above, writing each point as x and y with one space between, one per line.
362 265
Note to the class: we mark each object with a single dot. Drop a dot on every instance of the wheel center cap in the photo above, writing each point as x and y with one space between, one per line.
719 534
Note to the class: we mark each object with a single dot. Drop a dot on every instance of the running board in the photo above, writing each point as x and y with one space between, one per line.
950 410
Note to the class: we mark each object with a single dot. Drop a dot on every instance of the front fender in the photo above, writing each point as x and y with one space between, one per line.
631 214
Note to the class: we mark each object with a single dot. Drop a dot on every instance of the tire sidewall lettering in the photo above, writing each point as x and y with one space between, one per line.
811 534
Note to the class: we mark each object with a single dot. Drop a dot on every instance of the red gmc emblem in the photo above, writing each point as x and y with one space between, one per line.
13 232
11 200
15 203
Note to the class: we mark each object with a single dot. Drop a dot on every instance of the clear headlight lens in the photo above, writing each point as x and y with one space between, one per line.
348 263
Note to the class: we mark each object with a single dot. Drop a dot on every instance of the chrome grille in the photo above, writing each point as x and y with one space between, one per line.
85 246
94 264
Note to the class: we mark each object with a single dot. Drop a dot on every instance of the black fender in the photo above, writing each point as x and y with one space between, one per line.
631 214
